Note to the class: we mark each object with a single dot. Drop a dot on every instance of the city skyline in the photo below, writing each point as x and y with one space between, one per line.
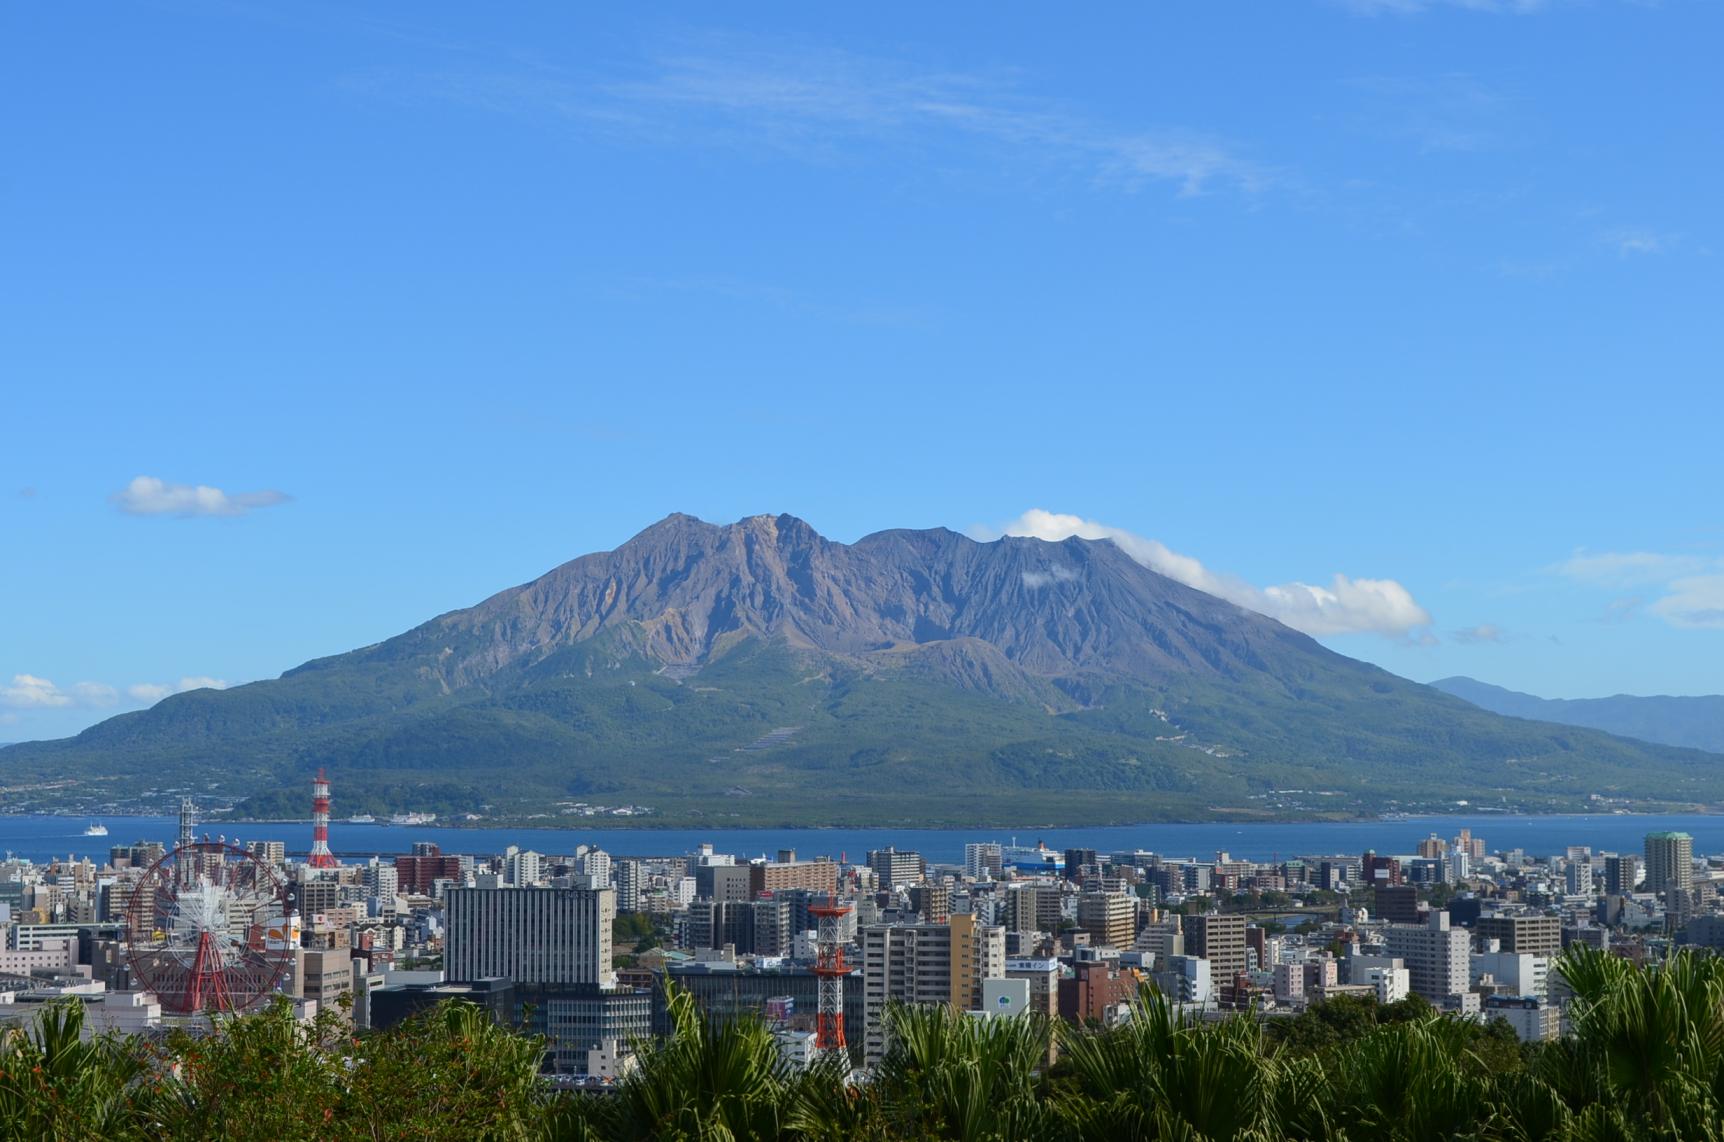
420 308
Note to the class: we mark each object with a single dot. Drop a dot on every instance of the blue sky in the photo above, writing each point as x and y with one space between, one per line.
433 297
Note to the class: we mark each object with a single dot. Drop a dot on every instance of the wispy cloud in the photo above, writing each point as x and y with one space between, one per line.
1690 587
1637 241
1483 633
149 495
820 102
1058 573
34 692
1343 606
153 692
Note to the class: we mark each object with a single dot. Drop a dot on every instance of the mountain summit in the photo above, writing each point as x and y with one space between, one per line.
758 672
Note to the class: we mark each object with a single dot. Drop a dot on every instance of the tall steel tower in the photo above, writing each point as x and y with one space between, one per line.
829 970
320 857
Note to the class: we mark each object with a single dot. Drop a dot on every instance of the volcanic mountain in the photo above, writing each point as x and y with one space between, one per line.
759 673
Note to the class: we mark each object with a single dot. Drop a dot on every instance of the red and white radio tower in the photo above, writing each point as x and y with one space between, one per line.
830 970
321 857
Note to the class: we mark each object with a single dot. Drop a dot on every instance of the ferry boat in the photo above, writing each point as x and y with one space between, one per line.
96 829
362 819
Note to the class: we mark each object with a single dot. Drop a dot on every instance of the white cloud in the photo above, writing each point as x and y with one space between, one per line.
152 692
1484 632
30 692
148 495
1695 603
1055 574
33 692
1692 585
1344 606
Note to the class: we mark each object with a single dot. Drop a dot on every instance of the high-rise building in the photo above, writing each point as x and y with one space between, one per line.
1110 918
380 880
1077 861
925 963
1033 907
932 900
978 953
531 936
1397 903
1379 870
1221 941
984 860
629 878
1669 862
1577 877
1621 873
897 869
595 865
524 868
721 881
1436 956
269 852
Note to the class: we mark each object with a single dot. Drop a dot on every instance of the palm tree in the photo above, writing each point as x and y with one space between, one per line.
947 1074
55 1085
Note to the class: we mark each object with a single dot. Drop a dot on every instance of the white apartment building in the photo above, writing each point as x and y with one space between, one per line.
1436 955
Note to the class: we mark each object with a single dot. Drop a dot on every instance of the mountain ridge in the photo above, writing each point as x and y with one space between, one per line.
934 677
1694 722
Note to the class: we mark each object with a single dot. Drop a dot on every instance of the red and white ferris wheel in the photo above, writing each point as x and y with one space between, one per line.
209 930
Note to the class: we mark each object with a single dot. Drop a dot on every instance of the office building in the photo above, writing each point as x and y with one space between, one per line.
530 935
1669 862
722 882
1397 903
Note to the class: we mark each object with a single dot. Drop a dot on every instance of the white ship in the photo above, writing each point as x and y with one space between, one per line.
96 829
412 818
362 819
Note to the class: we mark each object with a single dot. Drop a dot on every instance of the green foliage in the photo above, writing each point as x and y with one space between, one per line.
1645 1064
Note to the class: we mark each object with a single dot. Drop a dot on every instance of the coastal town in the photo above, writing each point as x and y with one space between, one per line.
585 948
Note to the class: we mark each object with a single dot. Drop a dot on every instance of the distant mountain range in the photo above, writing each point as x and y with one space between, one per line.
759 673
1697 723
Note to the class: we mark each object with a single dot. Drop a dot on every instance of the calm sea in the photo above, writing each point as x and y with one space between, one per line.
39 838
